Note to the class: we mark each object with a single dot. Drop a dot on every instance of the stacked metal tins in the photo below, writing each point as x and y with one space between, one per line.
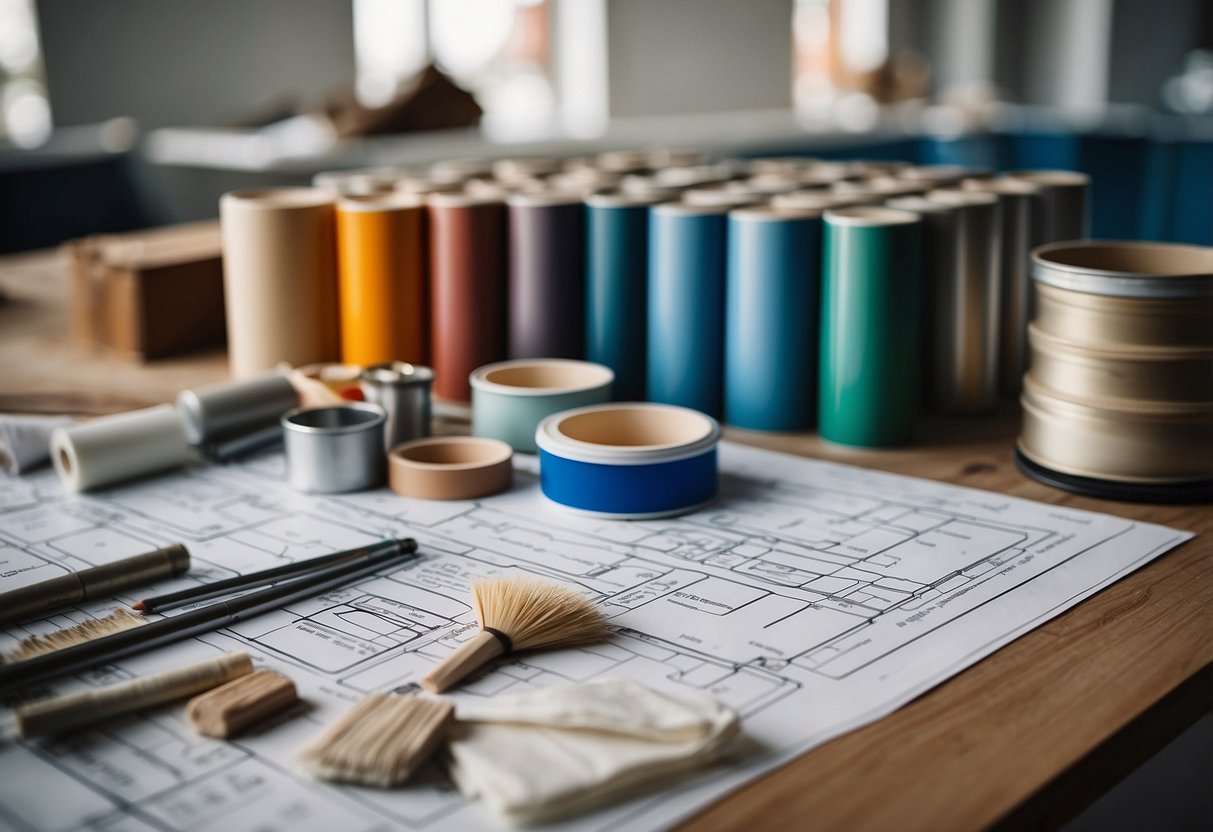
1119 399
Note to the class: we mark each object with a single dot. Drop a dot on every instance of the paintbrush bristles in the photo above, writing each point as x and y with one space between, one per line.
528 613
115 622
381 741
536 613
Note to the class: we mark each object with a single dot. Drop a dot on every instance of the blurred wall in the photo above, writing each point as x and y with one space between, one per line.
176 62
1149 41
708 55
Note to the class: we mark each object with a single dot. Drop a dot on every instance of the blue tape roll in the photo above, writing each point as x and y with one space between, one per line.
616 270
772 301
628 461
686 306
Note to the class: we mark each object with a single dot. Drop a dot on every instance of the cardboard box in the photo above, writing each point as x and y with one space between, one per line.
149 294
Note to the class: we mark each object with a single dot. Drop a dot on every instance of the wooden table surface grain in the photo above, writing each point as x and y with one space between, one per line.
1023 739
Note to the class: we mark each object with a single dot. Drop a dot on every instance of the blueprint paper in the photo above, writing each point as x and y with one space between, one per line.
811 597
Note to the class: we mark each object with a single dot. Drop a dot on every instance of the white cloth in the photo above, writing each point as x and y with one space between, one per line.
25 441
545 754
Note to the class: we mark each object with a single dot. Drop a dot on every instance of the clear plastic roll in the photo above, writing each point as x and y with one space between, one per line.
121 447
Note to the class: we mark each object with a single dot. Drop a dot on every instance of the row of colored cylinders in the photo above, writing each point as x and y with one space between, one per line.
773 319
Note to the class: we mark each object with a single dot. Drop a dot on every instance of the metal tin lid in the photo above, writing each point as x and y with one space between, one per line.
397 374
1160 271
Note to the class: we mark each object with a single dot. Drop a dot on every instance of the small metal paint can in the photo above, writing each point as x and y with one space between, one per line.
334 448
403 391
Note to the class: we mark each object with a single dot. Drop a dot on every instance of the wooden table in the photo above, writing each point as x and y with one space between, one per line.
1027 737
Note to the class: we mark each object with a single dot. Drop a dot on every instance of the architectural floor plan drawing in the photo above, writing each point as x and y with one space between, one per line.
811 597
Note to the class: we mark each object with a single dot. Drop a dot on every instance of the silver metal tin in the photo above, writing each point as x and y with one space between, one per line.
403 391
1023 229
334 448
236 407
963 285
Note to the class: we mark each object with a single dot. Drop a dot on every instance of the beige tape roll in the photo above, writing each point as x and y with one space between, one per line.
1135 444
1099 319
450 467
280 277
1120 386
1143 374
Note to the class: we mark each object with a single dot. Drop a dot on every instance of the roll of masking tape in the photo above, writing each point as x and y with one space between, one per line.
450 467
628 461
511 398
119 447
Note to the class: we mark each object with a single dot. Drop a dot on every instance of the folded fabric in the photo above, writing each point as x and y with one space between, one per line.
25 441
537 756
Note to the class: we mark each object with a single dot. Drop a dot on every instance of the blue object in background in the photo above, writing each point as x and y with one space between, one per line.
1043 150
1191 210
686 306
1116 163
771 316
616 268
987 151
1151 174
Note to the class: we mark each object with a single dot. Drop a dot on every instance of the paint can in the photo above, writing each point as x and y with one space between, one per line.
771 314
686 290
333 449
869 387
1118 402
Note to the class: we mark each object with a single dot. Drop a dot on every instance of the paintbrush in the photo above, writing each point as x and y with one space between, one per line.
519 614
381 741
93 628
63 713
222 614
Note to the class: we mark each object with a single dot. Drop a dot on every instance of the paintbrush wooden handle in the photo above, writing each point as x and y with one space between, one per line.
62 713
473 654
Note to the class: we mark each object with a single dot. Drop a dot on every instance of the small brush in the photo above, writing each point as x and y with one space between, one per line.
116 622
381 741
74 710
519 614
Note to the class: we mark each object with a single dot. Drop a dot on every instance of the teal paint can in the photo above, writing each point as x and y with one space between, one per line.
870 361
616 271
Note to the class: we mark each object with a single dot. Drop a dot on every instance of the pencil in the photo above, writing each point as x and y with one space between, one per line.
223 614
171 600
